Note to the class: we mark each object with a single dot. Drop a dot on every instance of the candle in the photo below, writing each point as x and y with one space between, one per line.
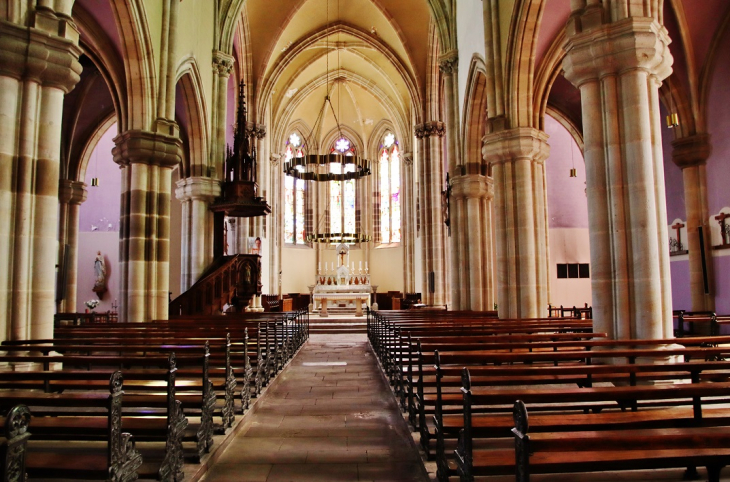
319 266
366 265
333 265
353 266
360 265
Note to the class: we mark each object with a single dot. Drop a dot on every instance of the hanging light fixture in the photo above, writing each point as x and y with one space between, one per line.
308 167
673 117
573 172
95 179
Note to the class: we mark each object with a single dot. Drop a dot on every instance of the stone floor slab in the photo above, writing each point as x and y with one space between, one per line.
329 417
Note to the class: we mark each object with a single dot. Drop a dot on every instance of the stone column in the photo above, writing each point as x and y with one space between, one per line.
471 208
38 66
222 67
518 158
196 195
618 68
690 154
408 229
432 178
70 195
449 67
277 231
259 222
146 160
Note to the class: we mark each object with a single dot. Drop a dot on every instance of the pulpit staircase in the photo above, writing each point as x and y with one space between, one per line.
229 280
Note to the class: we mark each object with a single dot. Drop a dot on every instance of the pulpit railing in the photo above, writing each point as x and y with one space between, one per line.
230 280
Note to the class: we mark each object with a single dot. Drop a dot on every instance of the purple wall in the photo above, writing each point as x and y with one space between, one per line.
100 211
673 182
718 164
567 202
718 121
681 298
722 284
231 110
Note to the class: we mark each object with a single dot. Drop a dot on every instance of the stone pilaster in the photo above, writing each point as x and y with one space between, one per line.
146 160
690 154
618 68
471 207
432 179
408 230
518 158
196 195
70 196
38 66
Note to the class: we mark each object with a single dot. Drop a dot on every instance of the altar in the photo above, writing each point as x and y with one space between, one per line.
343 287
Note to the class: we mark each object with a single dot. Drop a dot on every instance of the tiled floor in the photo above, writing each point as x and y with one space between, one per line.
329 416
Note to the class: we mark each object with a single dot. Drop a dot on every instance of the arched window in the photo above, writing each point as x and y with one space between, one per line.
294 193
389 179
342 193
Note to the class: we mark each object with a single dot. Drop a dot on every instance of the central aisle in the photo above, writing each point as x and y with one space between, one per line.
329 416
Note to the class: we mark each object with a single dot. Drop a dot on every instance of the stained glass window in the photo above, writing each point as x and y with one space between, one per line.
294 194
389 168
342 193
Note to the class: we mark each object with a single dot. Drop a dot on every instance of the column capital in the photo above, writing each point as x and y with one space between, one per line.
256 130
691 151
49 57
513 144
408 159
449 62
144 147
471 186
204 189
71 192
634 43
222 63
274 159
428 129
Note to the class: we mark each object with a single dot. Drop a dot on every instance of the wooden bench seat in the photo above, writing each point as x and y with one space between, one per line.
116 455
565 400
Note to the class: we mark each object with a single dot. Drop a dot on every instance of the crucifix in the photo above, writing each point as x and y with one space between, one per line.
678 227
723 227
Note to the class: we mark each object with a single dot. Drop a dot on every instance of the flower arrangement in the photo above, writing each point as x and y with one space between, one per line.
91 304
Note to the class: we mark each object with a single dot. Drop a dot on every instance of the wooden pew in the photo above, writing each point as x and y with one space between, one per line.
13 443
472 461
597 449
117 458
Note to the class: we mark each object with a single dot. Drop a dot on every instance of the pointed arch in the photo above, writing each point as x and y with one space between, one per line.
376 136
520 62
474 120
705 80
89 145
139 68
189 82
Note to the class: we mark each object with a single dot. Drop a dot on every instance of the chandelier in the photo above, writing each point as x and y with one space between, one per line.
339 238
309 167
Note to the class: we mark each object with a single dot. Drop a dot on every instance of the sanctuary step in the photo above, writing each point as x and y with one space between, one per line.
336 324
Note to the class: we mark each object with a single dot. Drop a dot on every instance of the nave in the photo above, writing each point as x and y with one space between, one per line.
329 416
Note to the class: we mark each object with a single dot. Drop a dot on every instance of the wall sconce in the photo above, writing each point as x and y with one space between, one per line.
672 120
